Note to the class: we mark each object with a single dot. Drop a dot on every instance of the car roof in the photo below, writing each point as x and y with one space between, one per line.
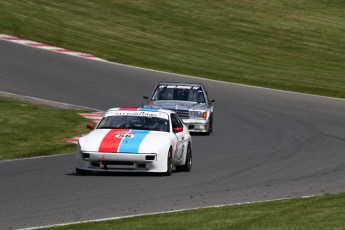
180 83
140 109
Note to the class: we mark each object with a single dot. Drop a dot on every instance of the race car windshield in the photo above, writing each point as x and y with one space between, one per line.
134 122
179 93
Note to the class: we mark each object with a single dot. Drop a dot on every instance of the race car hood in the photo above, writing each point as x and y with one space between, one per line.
123 141
178 105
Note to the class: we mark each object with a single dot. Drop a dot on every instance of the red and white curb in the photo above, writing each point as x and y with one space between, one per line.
94 116
47 47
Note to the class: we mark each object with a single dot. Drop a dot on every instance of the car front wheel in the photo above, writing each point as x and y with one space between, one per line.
169 163
210 128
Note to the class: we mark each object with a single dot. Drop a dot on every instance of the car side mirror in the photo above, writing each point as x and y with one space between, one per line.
90 126
178 130
211 101
145 97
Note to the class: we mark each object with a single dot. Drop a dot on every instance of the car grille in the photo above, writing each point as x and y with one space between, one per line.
118 162
182 113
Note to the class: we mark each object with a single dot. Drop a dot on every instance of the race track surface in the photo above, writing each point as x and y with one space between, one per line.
266 145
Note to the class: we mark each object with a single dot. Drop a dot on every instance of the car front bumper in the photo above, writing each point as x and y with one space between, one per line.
121 162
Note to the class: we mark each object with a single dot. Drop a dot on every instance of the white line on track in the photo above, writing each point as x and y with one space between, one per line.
164 212
46 102
38 157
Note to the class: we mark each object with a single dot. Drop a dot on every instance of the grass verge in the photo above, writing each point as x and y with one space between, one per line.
291 44
323 212
29 130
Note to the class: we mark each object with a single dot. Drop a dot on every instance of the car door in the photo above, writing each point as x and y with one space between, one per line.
180 136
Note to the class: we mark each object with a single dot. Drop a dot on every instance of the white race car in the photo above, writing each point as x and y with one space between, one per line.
136 140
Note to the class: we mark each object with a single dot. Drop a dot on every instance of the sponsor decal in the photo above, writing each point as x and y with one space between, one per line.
179 87
138 113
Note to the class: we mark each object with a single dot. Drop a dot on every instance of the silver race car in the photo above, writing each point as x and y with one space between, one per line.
189 100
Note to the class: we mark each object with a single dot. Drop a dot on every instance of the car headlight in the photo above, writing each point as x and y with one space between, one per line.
199 114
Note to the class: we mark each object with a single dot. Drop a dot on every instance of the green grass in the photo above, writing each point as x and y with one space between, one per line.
294 45
323 212
28 130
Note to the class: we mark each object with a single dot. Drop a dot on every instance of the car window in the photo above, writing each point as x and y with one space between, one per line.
163 94
199 96
176 122
206 95
179 93
179 121
134 122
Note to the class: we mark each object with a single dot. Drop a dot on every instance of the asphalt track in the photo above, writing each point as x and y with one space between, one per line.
266 145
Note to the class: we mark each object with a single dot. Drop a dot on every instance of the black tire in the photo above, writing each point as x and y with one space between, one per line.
188 164
169 164
210 128
82 172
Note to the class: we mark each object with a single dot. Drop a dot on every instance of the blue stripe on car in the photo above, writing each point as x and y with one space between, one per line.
149 109
132 144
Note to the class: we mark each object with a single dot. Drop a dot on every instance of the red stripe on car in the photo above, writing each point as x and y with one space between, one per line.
132 109
111 142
